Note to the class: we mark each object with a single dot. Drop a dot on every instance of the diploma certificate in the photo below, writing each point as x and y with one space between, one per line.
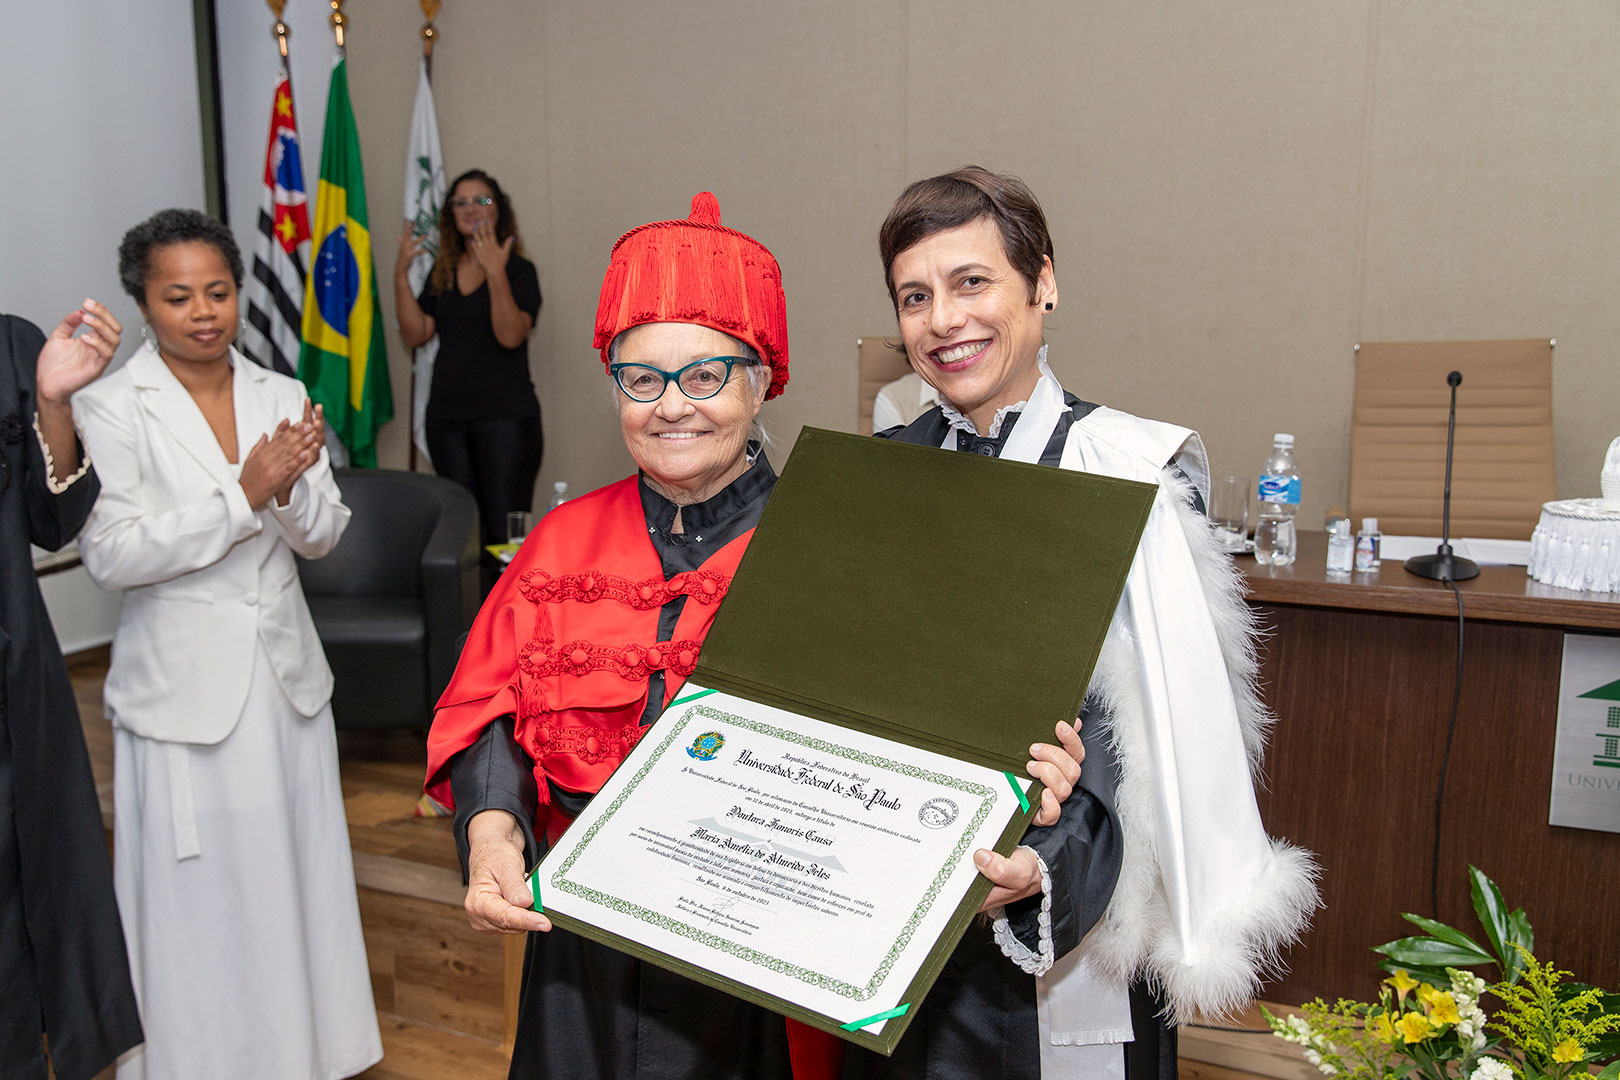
808 866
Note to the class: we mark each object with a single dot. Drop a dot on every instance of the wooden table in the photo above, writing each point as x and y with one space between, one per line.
1360 670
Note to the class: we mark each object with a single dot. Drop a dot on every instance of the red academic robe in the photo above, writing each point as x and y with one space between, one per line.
566 643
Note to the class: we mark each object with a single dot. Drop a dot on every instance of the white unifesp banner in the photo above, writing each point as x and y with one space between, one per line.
424 195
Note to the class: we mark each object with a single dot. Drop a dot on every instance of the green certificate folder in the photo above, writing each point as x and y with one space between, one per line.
939 600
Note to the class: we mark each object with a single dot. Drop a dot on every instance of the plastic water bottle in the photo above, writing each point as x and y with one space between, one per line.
1274 540
559 495
1368 542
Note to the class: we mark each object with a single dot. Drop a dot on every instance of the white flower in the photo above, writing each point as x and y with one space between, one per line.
1295 1030
1323 1067
1491 1069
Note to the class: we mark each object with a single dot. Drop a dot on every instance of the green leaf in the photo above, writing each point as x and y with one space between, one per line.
1518 932
1493 914
1610 1073
1431 975
1446 933
1433 953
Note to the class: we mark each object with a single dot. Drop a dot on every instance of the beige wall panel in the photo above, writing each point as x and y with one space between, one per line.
606 115
1199 168
490 100
1239 192
1493 209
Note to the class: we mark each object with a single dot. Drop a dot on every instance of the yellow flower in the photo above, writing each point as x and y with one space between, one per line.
1443 1009
1568 1050
1425 994
1380 1028
1402 982
1413 1027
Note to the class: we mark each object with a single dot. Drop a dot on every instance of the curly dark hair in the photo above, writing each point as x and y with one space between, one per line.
451 246
164 229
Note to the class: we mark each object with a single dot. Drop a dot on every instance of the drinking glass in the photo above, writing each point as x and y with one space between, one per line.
517 526
1229 511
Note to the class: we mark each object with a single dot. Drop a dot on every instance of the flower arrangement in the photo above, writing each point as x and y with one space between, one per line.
1429 1021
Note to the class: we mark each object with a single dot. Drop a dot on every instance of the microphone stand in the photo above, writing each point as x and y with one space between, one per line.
1443 565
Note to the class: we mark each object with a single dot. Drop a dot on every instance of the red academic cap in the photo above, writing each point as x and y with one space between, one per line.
697 271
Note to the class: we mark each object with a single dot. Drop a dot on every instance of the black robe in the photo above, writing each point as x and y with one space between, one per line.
979 1020
66 973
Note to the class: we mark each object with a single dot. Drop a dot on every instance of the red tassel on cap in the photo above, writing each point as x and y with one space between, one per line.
705 208
697 271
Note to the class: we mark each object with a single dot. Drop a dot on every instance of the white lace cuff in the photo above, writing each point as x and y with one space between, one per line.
1032 962
55 486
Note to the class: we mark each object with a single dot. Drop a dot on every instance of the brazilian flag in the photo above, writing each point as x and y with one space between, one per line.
343 361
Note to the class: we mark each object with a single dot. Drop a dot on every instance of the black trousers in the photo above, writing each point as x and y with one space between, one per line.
496 460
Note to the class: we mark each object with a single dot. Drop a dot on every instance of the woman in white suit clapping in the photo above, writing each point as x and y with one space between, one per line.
232 862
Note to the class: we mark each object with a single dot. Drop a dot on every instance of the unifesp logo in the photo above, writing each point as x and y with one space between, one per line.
937 813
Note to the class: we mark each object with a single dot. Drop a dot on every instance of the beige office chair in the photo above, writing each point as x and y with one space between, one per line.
880 364
1502 468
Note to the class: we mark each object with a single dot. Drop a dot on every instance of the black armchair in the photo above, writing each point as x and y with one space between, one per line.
393 601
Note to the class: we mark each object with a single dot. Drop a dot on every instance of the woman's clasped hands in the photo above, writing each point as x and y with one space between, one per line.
277 460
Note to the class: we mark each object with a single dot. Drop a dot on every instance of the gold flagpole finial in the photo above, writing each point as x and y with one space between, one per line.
338 21
430 33
280 29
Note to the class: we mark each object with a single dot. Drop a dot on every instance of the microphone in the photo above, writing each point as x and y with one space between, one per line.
1443 565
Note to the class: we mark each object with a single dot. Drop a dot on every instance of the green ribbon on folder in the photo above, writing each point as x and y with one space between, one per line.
1018 790
898 1010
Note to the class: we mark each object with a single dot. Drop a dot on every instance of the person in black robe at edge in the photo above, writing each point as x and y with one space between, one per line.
481 298
586 1010
62 952
967 258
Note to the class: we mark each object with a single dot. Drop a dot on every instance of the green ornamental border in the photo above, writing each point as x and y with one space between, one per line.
743 952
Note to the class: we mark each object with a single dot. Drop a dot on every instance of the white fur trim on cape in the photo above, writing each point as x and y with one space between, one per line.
1238 927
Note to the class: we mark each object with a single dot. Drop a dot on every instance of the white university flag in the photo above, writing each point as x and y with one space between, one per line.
424 194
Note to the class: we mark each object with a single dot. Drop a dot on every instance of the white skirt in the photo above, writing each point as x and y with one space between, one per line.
235 885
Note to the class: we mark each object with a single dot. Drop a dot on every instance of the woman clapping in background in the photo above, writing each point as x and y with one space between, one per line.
232 864
481 299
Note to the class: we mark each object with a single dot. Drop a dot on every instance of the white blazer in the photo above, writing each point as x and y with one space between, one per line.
207 580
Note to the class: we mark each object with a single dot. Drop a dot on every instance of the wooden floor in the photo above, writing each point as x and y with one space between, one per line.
439 985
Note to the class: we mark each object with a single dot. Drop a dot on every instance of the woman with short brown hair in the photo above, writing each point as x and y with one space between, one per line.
1169 899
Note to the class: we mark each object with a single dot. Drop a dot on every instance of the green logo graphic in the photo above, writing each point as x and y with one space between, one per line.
1609 756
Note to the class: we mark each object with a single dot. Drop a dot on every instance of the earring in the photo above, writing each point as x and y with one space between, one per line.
144 336
1049 305
241 326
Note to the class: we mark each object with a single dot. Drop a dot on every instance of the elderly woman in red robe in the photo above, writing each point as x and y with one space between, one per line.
591 632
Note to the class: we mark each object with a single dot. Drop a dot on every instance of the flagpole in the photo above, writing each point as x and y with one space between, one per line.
430 33
338 21
277 7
